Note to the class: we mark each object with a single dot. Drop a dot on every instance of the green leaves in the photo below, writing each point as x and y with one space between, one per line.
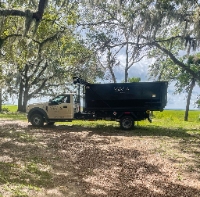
37 62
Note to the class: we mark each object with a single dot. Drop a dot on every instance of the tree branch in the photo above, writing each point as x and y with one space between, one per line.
2 40
37 79
9 12
196 75
41 6
36 15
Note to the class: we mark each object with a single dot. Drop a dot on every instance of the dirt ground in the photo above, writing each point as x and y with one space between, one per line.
73 161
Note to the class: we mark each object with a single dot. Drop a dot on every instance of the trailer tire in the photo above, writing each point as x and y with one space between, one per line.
126 123
37 120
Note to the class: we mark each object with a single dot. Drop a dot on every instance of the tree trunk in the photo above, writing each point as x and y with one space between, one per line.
1 100
126 66
188 99
110 66
112 75
126 75
25 101
20 98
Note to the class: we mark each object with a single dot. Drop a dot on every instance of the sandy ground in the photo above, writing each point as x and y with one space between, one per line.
95 163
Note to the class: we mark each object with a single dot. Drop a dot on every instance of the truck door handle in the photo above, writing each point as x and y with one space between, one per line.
64 106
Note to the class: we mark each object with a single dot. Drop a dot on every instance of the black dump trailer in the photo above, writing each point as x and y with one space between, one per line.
123 102
126 96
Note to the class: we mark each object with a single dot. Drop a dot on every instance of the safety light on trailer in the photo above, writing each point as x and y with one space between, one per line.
114 113
153 95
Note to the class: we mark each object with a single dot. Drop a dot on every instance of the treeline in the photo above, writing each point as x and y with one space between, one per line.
45 43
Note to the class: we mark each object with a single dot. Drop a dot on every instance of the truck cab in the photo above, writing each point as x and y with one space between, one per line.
61 108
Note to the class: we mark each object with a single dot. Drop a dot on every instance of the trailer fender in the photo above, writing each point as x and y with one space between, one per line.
132 114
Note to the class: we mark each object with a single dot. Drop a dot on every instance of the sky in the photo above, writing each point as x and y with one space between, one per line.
174 101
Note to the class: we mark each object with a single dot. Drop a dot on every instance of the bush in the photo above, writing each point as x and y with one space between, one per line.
5 109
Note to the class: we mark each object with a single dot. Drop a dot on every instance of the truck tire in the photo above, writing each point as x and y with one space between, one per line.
37 120
126 122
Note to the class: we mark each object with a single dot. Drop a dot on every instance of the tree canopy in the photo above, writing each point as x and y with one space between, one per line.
36 62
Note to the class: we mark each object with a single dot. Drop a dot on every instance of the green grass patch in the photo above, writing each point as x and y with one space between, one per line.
171 123
177 115
9 108
10 112
164 123
168 123
13 116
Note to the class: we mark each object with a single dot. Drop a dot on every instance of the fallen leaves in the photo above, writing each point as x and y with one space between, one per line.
74 162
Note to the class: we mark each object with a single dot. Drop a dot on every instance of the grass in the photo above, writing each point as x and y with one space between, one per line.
10 112
166 123
163 123
9 108
165 119
178 115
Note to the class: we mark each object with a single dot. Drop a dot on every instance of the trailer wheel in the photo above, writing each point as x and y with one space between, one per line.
37 120
126 122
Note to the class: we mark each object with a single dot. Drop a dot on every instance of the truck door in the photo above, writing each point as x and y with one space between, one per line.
63 109
66 108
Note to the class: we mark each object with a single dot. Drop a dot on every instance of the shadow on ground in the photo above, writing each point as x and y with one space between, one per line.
76 161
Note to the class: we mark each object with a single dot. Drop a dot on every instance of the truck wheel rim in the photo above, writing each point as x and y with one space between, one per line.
126 123
37 121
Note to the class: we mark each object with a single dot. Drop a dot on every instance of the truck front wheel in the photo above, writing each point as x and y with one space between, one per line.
126 122
37 120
